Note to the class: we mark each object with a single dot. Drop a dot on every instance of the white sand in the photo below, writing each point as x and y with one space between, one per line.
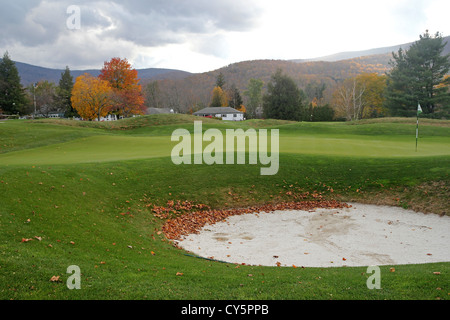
363 235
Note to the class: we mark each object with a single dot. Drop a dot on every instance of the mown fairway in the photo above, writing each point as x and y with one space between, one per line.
83 193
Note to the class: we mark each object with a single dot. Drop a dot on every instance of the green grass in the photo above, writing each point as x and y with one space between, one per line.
84 190
144 137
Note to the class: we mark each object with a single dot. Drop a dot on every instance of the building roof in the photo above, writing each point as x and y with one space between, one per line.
217 110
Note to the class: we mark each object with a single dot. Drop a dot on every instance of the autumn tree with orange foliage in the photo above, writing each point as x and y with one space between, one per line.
219 98
127 92
91 97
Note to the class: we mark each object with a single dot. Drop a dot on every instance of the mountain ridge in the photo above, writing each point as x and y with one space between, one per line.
336 67
345 55
31 73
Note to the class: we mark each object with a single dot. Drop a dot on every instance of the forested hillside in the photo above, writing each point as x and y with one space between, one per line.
185 92
195 91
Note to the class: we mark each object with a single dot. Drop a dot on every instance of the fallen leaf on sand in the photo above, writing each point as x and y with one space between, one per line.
197 217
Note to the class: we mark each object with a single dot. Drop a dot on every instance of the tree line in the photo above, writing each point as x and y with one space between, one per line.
419 75
115 91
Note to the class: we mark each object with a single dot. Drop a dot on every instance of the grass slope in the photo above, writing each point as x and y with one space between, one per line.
97 214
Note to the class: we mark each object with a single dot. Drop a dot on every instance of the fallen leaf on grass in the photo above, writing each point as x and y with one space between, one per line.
179 273
436 273
55 279
26 240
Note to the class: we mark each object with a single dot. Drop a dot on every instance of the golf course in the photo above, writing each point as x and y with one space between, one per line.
97 194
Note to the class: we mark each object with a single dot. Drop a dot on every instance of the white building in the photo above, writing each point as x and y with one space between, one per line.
225 113
109 117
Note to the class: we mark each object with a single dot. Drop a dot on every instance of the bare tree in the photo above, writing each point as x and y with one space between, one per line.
348 99
173 99
45 98
153 95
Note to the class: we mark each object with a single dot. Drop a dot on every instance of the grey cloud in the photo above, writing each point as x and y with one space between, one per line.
149 23
162 22
233 15
37 29
34 23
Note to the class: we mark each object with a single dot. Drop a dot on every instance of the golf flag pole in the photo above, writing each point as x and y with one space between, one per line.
419 111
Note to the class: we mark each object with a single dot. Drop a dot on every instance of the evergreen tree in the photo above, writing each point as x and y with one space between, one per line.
236 100
284 100
220 81
64 93
12 94
418 76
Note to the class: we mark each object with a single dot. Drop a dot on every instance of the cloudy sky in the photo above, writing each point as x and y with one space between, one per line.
203 35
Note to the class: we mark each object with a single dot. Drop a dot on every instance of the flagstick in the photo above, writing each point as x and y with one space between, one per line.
419 110
417 130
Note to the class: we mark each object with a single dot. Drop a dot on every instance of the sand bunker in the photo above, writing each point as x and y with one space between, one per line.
362 235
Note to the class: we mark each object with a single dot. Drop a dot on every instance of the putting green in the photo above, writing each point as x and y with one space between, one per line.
365 146
104 148
91 149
